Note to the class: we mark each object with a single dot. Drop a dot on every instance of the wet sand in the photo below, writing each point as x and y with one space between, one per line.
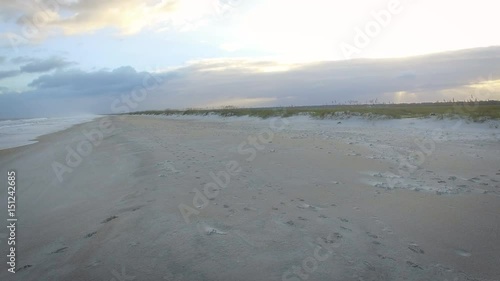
211 198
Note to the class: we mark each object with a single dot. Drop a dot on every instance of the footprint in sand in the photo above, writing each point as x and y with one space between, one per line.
346 228
385 258
109 219
415 248
414 265
332 238
90 234
24 267
343 219
388 230
61 250
475 179
371 235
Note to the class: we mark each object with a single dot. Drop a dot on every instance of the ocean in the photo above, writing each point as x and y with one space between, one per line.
20 132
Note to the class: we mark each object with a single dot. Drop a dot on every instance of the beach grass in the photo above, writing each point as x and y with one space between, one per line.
474 110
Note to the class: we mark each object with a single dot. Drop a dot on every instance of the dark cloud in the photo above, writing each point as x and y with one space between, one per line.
8 73
322 83
67 92
87 84
205 83
4 90
23 59
45 65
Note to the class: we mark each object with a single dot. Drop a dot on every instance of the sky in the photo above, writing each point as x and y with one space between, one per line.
72 57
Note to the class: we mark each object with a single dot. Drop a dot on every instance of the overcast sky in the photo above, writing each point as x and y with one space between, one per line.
67 57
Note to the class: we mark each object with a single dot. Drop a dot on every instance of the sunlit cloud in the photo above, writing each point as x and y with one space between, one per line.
242 65
289 30
128 17
489 85
484 90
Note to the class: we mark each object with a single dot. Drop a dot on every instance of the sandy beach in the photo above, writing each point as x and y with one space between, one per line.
212 198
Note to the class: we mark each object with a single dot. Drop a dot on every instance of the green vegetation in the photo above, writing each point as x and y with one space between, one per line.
474 110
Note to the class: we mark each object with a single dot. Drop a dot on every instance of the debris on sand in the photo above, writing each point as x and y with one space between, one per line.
208 230
211 231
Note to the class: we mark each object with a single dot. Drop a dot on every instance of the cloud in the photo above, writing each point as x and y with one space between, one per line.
4 90
126 16
90 84
11 9
33 65
66 92
209 83
22 59
129 16
8 73
37 65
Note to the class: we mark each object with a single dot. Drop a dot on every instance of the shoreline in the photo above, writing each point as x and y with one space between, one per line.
31 137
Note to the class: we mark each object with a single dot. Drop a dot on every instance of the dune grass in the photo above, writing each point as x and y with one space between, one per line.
475 111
